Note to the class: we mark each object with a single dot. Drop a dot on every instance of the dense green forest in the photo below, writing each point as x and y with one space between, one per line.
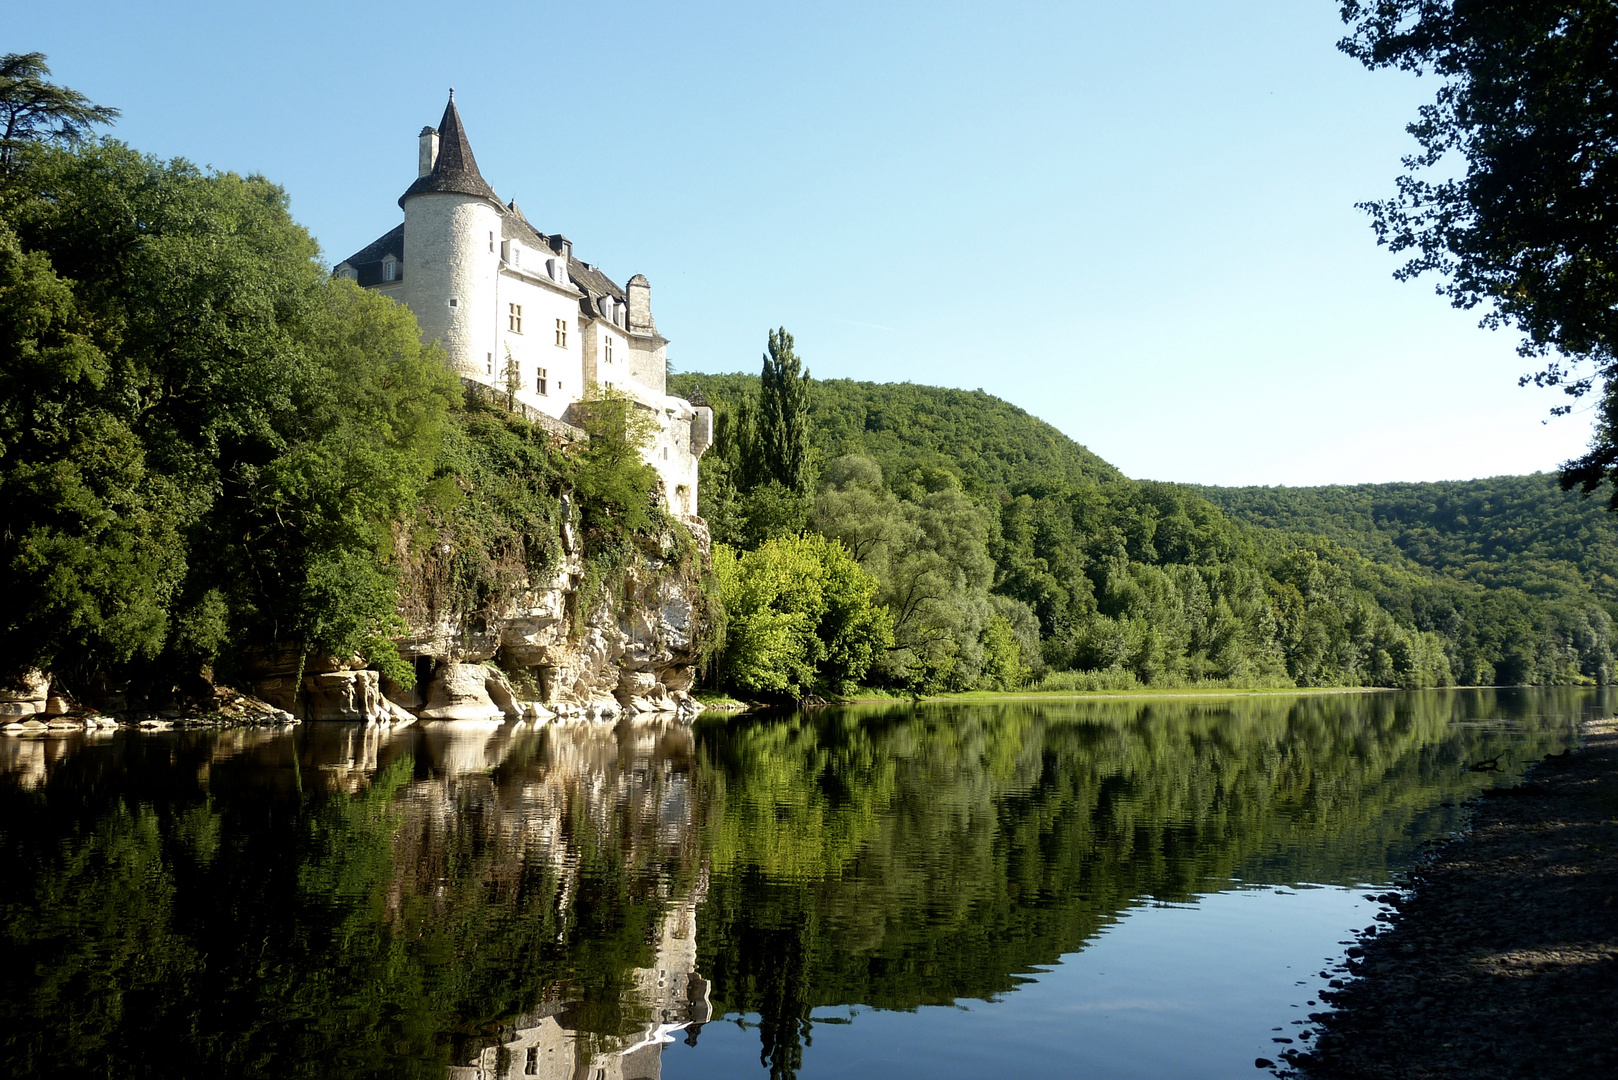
1521 532
1007 555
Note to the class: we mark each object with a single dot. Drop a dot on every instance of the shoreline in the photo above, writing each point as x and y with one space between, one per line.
1502 961
986 697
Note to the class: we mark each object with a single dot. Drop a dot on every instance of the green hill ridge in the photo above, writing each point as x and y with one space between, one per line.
1499 581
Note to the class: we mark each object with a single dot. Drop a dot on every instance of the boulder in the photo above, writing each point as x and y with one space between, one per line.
501 692
460 692
24 695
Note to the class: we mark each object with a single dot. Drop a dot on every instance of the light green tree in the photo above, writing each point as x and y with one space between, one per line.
801 615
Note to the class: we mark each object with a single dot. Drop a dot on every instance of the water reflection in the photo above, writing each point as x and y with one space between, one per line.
480 901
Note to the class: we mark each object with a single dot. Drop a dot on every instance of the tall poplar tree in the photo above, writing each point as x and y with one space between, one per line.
782 441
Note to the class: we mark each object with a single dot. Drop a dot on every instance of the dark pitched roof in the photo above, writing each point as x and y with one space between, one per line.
367 261
592 280
455 170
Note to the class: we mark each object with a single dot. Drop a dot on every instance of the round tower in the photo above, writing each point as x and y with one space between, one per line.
452 249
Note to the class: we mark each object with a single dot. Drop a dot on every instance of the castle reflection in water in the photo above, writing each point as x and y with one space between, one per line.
525 796
547 793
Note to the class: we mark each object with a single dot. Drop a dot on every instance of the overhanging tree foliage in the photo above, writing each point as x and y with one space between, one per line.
204 438
35 110
1529 101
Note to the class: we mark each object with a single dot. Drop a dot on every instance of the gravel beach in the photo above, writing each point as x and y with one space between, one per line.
1502 960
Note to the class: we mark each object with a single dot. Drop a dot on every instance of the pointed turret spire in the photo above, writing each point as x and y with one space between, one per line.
455 169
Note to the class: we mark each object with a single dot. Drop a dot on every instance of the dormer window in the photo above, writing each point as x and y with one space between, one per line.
390 269
348 273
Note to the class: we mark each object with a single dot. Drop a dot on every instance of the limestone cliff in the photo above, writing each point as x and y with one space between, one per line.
584 642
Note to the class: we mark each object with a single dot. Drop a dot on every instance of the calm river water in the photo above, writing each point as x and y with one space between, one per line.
1107 888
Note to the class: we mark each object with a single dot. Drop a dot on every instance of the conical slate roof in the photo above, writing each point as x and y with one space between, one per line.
456 170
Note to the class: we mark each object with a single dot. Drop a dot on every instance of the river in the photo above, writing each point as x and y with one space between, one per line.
1088 887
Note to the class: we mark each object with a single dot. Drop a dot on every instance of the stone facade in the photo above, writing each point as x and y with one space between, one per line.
512 307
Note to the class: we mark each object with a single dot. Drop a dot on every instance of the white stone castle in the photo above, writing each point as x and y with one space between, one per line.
512 307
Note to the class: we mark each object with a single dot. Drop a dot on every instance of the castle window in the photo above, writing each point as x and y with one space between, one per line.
532 1065
390 270
491 241
348 273
488 363
539 383
607 350
514 318
561 332
454 302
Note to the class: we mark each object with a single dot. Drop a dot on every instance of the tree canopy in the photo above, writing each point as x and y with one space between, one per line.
33 109
1004 551
1528 100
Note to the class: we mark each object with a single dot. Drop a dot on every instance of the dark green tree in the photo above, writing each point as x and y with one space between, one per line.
33 109
1529 100
782 442
204 438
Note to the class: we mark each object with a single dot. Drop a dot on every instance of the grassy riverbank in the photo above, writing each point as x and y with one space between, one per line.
1503 960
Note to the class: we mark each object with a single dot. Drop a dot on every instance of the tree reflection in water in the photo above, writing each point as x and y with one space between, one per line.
454 900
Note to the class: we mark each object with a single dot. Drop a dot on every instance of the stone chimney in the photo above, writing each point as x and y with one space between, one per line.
427 155
639 291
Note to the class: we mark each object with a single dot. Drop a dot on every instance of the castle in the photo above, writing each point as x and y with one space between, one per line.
512 308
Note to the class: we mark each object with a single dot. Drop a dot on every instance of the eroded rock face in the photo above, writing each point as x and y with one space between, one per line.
345 695
629 654
634 652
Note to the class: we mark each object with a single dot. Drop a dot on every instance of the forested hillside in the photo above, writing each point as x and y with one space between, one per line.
1518 531
907 429
1006 553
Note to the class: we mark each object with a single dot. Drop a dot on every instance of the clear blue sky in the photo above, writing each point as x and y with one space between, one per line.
1134 220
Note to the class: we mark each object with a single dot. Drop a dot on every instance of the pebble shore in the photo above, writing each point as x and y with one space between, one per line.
1502 958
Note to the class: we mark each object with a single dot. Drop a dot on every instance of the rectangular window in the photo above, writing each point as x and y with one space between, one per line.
390 271
514 317
561 332
607 349
488 363
539 383
491 241
532 1065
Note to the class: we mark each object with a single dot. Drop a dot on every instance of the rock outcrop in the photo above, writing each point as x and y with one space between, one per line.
547 652
26 696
